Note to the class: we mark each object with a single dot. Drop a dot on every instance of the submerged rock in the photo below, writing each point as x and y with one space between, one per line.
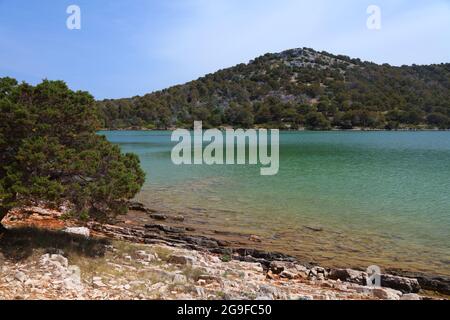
254 238
178 218
137 206
315 229
158 216
165 228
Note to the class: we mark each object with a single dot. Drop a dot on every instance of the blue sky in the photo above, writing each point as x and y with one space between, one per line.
133 47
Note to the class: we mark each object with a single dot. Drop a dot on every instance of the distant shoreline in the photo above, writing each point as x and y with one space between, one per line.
292 130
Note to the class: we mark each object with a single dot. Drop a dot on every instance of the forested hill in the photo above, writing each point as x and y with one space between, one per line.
293 89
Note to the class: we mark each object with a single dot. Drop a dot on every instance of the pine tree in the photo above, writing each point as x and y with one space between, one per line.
49 151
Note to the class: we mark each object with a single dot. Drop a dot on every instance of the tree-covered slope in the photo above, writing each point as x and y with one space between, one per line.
296 88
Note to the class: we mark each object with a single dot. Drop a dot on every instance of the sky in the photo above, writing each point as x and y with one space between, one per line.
133 47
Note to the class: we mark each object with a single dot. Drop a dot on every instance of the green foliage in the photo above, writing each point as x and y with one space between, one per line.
49 151
316 120
279 90
226 258
438 120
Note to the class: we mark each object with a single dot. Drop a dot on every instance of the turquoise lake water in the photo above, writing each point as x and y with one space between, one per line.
379 197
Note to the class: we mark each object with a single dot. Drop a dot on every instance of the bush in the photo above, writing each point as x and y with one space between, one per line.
49 151
438 120
317 121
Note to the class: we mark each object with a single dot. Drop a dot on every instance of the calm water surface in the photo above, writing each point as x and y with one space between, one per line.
380 197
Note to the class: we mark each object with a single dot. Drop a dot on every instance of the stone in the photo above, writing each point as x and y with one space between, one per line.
315 229
200 291
72 283
209 278
317 273
287 275
43 211
348 275
201 282
386 293
20 276
302 298
276 267
428 282
202 242
147 257
179 218
136 206
269 291
438 284
405 285
60 259
254 238
158 216
141 253
30 282
411 296
83 231
97 282
301 271
182 260
167 229
179 279
326 284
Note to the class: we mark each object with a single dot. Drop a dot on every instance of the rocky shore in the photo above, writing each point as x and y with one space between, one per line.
161 261
129 271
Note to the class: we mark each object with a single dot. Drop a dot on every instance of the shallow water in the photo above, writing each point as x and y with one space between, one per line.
379 197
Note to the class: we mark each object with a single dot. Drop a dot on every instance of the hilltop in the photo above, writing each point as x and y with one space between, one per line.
298 88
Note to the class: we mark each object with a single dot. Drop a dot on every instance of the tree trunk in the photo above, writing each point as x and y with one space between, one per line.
2 229
3 213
